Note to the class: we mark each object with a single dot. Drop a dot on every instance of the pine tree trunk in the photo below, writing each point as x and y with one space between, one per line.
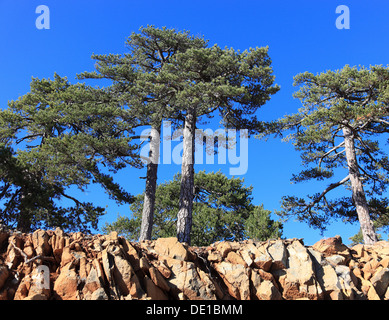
369 235
184 217
151 185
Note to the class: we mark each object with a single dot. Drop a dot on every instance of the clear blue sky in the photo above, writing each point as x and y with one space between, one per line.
301 35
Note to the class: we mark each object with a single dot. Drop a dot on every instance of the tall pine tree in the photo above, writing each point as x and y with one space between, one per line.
342 111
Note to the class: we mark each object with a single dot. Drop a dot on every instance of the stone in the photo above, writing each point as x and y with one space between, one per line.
336 259
3 275
38 296
171 247
264 288
153 291
158 279
263 262
40 241
279 255
224 248
58 243
124 275
247 257
186 282
215 256
380 281
66 285
370 268
94 285
236 279
331 246
131 252
235 258
300 280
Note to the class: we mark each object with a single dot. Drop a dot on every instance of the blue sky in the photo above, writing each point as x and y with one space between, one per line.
301 35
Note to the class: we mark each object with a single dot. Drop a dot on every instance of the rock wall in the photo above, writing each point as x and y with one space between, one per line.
53 265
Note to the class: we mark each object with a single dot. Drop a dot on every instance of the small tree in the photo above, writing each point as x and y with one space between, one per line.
222 210
341 112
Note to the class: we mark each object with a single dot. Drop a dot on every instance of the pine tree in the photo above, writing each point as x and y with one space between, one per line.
208 80
342 111
140 86
65 134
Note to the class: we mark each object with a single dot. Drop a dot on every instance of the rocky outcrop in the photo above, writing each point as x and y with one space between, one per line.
53 265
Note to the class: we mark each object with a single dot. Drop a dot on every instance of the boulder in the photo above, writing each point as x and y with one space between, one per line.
66 285
236 278
171 247
40 241
332 246
380 281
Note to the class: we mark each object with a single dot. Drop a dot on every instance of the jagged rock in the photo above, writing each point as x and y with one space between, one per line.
101 267
153 291
3 275
332 246
279 255
264 288
65 286
171 247
94 285
124 275
380 281
300 280
235 258
40 241
236 278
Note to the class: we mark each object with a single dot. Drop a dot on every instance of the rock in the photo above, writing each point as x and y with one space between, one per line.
300 264
264 289
132 254
58 243
236 278
331 246
345 281
336 259
124 275
370 268
235 258
94 285
4 234
37 296
279 255
3 275
263 262
171 247
65 286
215 256
186 282
158 279
380 281
40 241
224 248
300 280
153 291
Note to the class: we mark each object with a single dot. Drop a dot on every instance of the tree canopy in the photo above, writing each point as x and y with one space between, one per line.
66 134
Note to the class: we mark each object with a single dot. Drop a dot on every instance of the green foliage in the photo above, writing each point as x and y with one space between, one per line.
65 134
355 98
222 210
